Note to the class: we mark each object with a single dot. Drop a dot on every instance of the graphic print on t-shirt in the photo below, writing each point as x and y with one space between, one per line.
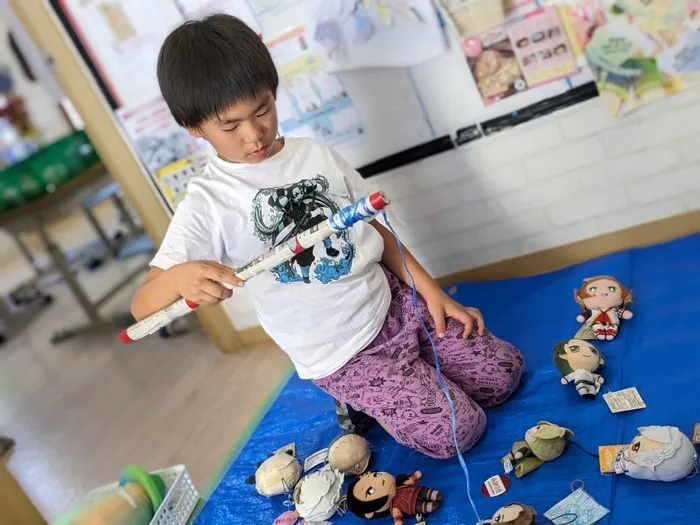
281 213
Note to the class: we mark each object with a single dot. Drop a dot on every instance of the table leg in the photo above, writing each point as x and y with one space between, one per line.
60 261
125 215
25 251
109 247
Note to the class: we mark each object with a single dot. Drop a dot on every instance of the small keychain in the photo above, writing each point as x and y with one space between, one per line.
579 508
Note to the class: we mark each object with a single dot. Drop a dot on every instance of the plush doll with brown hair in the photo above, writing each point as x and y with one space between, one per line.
579 361
604 301
377 494
514 514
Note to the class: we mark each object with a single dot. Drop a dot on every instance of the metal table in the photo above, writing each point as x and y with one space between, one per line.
82 192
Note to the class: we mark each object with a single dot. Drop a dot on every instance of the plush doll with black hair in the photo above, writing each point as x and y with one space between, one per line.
378 494
579 363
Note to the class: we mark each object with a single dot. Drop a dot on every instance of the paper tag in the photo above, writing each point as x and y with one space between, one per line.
578 504
495 486
696 434
624 400
292 447
606 456
507 466
316 459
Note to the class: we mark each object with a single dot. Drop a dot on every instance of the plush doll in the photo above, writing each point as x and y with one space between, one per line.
604 301
317 495
514 514
139 496
578 361
657 454
278 473
349 453
377 494
544 442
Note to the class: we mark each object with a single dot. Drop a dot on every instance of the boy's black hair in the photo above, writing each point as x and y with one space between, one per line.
360 508
206 66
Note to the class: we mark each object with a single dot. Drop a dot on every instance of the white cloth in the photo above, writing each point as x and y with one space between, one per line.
235 212
581 374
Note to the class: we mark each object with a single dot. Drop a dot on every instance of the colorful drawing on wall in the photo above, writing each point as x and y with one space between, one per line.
310 101
640 51
541 47
494 65
122 39
157 138
353 34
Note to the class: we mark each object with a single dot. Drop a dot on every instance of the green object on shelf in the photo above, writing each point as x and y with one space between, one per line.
46 170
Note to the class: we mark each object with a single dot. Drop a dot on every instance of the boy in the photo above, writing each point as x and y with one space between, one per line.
330 302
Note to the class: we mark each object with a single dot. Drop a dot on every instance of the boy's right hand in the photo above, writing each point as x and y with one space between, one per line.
202 281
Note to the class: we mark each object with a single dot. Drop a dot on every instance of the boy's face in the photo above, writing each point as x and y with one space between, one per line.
245 132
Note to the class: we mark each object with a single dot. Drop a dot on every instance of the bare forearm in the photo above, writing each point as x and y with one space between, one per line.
154 294
391 258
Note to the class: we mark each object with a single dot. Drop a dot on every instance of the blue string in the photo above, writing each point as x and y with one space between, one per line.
441 382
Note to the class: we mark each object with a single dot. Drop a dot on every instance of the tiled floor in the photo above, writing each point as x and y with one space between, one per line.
83 410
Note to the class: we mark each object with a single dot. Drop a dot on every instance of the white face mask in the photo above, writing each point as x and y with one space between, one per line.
578 508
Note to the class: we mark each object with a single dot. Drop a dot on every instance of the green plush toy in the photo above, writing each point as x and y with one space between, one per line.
544 442
137 501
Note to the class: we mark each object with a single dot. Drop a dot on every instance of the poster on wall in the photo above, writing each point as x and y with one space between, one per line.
531 49
542 48
310 101
353 34
494 66
172 180
198 9
156 137
122 39
640 51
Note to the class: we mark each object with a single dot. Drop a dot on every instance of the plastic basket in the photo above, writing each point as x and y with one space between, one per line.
46 169
179 503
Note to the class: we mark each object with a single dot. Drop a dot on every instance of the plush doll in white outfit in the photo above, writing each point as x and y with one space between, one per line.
658 453
579 361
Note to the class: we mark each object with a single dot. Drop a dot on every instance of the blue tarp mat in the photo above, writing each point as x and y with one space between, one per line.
658 351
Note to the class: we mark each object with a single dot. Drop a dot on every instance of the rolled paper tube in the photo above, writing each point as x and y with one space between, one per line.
364 209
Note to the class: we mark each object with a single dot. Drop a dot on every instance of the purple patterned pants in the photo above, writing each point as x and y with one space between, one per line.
394 379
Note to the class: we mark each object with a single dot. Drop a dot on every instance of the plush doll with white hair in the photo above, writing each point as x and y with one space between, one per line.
657 453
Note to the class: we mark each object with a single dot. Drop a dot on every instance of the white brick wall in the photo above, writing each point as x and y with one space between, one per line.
573 175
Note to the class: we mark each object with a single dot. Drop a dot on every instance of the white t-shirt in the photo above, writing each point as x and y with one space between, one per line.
327 303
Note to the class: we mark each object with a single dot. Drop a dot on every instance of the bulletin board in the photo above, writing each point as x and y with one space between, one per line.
378 117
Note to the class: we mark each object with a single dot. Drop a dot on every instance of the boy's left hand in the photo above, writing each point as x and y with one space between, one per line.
441 306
